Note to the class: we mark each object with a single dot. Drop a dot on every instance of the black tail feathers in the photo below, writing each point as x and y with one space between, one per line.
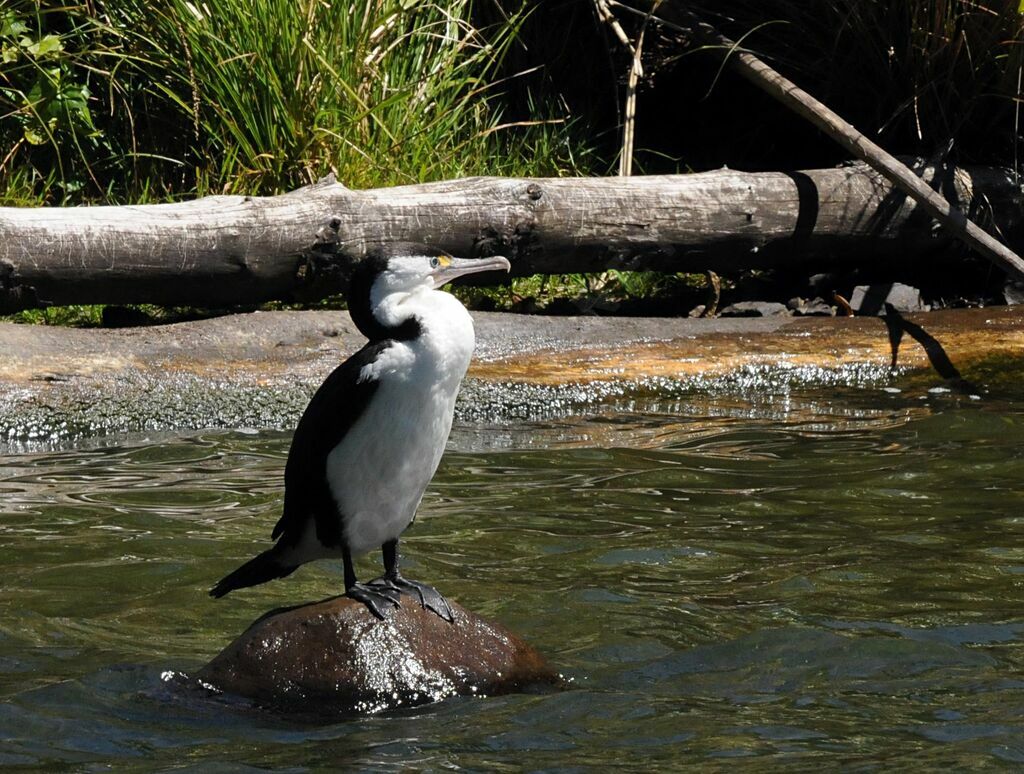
267 566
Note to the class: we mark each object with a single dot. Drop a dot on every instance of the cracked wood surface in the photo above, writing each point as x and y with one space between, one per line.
227 250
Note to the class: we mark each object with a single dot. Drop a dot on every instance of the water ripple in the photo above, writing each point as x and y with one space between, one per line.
838 583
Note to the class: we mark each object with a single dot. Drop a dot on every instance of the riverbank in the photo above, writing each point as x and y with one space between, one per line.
61 385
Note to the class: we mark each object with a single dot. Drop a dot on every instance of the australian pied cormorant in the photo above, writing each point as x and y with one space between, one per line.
373 434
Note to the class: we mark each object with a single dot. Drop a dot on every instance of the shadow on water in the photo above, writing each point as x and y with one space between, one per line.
790 578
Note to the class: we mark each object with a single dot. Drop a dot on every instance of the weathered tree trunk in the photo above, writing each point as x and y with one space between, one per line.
226 250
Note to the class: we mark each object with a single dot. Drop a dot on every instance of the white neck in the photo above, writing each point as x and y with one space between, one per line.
446 329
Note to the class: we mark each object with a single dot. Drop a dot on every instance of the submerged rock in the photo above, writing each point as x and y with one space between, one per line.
335 657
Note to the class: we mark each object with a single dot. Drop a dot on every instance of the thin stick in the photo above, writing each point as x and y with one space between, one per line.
1016 129
609 18
636 72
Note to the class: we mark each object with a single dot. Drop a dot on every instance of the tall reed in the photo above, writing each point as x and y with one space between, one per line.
126 100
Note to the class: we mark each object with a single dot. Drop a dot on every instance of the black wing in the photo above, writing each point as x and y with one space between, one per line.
332 411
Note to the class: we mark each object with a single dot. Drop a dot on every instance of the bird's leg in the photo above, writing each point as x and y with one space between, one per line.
429 597
371 595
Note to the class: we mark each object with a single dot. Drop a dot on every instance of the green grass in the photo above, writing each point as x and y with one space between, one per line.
126 101
88 316
606 292
120 101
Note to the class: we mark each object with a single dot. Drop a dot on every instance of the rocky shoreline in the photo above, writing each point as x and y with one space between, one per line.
257 370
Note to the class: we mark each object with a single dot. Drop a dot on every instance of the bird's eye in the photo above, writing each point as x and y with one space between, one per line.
435 262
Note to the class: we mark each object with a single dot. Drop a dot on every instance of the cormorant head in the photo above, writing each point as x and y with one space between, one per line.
405 268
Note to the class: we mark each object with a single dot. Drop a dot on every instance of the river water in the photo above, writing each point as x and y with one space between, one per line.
829 577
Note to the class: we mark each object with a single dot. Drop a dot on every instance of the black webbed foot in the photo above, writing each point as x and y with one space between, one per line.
376 597
429 597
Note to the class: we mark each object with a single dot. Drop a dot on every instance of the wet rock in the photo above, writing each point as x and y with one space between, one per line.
871 299
814 307
1013 292
754 309
335 657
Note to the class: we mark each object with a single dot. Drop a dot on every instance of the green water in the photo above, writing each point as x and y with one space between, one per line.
829 579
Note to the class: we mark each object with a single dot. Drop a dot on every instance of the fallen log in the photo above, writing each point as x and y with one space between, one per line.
231 250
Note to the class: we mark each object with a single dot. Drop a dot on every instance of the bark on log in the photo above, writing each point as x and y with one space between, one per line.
229 250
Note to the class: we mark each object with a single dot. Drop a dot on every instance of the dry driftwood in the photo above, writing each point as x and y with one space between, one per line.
227 250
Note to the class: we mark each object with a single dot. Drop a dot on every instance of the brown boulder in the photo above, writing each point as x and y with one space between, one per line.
334 656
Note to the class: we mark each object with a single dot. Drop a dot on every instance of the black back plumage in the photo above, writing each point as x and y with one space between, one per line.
331 412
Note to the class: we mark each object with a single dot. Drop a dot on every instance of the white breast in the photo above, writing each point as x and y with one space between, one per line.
382 466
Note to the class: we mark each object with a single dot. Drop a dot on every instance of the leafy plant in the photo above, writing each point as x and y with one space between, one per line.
42 93
124 100
78 316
